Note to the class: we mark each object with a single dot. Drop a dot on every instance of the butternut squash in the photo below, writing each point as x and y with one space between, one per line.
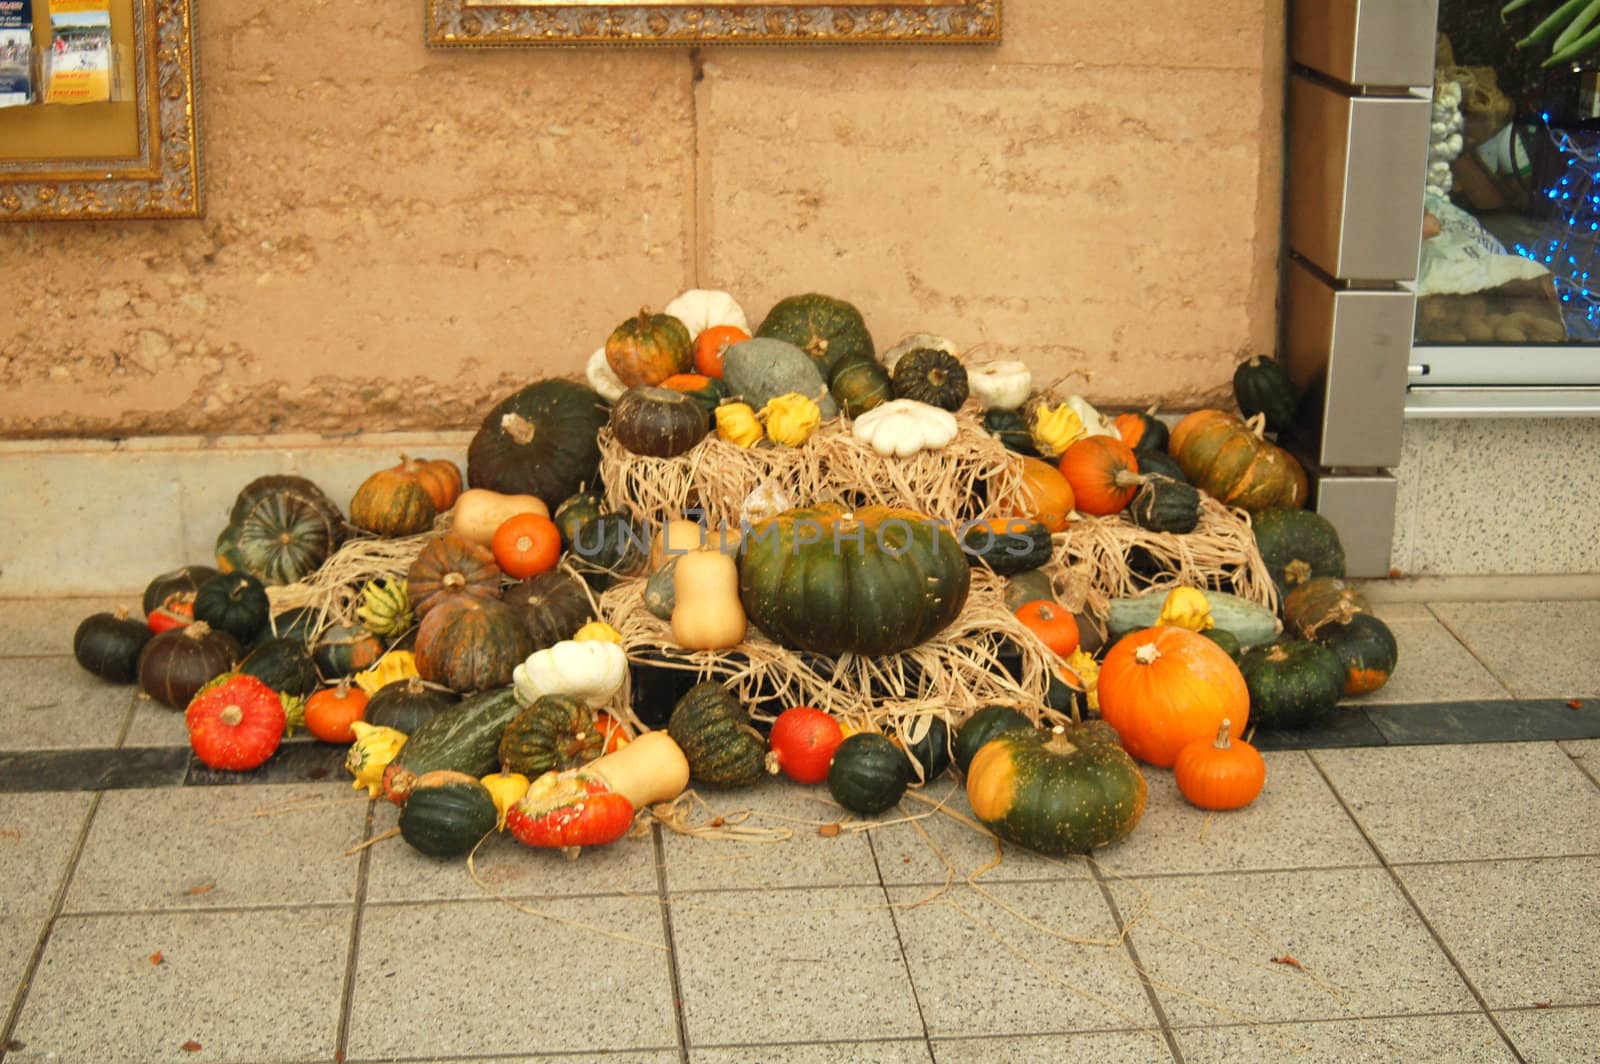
648 770
706 611
479 511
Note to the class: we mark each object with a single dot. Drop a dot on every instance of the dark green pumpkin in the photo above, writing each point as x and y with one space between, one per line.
713 729
1008 545
858 384
1297 545
556 732
1293 684
930 754
464 738
1261 385
1164 505
873 581
283 665
297 624
1028 586
609 548
657 422
930 376
552 606
828 330
539 441
1226 640
868 774
280 530
406 705
1011 429
660 591
235 603
1063 791
982 726
574 510
186 580
108 645
1160 463
447 814
1366 650
344 650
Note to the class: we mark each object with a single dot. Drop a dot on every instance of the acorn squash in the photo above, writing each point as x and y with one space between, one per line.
1297 545
1293 684
447 813
539 441
1366 650
714 731
868 774
982 726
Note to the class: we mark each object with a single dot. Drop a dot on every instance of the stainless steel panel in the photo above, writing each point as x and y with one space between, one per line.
1347 351
1462 402
1362 508
1355 175
1505 366
1366 42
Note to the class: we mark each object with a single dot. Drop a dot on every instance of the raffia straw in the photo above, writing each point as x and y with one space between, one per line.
334 589
689 814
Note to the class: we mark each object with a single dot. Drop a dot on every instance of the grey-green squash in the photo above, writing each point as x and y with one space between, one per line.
759 370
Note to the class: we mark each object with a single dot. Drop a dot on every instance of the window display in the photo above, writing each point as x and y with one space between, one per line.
1512 230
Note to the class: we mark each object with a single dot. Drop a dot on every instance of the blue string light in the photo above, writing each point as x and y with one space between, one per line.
1573 236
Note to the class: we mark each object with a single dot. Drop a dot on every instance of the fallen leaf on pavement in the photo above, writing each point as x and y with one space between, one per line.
157 958
201 889
1290 961
191 1046
828 831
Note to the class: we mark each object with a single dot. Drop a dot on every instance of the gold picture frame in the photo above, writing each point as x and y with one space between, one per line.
508 23
137 156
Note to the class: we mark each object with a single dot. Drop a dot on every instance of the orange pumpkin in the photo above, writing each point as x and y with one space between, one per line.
1234 463
439 477
1103 473
1052 622
1045 496
1220 774
648 349
1164 687
712 344
331 711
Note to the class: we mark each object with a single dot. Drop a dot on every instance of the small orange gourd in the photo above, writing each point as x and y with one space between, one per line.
1103 472
1222 773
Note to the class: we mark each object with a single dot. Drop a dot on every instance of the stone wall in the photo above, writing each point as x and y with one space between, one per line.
394 237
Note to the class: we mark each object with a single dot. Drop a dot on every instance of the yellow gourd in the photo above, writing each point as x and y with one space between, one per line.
737 424
394 666
707 613
1082 663
1186 607
370 754
599 631
791 419
1055 428
507 789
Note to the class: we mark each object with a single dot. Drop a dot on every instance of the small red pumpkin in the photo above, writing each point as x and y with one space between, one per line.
802 743
1103 472
1052 622
236 724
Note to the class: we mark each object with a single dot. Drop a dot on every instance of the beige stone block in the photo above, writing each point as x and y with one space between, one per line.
1103 221
1157 34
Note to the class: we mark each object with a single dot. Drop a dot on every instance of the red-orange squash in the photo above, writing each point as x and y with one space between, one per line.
1165 687
1045 495
1103 473
1235 464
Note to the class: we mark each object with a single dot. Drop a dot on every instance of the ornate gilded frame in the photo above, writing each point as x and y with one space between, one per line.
162 180
502 23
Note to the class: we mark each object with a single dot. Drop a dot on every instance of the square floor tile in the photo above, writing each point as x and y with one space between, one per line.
1585 753
154 724
805 859
1208 944
18 937
1453 803
1049 953
1297 822
1412 1039
1105 1047
38 833
791 966
937 847
396 872
1525 932
566 984
1553 1036
1433 666
205 847
818 1053
1395 612
52 704
248 986
46 626
1553 655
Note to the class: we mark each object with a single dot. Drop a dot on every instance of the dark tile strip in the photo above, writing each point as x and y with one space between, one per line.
1348 726
1496 721
295 762
93 769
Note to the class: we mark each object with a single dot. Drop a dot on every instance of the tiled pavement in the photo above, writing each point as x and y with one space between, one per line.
1419 882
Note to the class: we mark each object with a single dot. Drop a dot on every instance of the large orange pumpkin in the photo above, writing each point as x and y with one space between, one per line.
1045 495
1103 473
1162 688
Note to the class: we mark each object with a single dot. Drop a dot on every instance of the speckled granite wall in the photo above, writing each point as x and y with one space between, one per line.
394 237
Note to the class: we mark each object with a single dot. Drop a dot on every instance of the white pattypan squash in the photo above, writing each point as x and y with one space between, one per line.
602 378
902 427
1000 385
701 308
589 670
912 343
1094 423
